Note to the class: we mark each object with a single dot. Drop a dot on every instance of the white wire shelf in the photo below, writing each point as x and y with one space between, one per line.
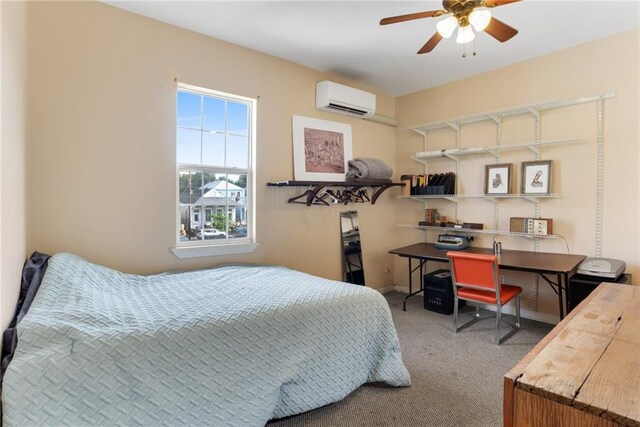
454 154
475 231
454 197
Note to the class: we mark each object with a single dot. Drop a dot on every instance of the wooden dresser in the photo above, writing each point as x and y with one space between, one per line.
586 371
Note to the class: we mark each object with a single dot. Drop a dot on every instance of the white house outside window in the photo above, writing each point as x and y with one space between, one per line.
215 141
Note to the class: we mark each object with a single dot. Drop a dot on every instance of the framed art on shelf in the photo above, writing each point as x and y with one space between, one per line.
536 177
498 178
321 149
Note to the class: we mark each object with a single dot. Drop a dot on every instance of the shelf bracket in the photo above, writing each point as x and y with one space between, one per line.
378 192
495 118
491 198
451 199
532 199
534 148
453 125
423 198
494 153
419 132
535 112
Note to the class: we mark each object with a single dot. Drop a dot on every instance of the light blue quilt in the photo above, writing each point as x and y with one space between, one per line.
229 346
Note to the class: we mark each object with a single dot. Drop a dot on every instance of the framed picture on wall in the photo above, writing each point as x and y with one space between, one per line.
498 178
321 149
536 177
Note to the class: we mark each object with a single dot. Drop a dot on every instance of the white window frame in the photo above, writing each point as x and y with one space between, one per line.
201 248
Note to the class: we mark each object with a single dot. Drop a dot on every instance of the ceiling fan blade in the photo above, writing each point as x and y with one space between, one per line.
411 16
496 3
431 43
499 30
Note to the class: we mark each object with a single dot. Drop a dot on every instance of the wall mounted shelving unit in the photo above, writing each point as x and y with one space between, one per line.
534 146
496 117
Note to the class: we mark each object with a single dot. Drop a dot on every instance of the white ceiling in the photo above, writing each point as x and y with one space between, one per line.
344 37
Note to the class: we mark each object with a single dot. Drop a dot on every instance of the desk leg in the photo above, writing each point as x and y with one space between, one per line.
421 264
404 303
566 294
558 288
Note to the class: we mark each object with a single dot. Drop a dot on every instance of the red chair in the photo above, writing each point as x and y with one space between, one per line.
476 278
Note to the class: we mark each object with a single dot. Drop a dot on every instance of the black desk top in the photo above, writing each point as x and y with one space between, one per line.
545 262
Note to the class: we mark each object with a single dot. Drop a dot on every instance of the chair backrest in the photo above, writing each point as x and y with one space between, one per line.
476 271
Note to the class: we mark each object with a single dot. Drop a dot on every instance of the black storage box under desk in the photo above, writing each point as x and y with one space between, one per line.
438 292
580 286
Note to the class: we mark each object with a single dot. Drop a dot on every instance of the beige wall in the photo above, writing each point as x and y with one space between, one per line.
102 144
607 65
13 189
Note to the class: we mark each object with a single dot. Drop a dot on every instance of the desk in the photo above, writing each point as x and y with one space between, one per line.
542 263
585 372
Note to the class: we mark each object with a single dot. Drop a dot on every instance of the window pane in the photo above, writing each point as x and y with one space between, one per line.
188 146
238 206
189 109
214 114
237 118
215 202
213 149
190 193
209 180
237 151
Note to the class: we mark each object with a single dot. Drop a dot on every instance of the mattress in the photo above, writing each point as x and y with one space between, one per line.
227 346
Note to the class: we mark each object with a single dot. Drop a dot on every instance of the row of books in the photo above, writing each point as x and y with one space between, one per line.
439 183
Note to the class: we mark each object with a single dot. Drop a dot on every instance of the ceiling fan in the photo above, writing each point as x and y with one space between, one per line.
465 15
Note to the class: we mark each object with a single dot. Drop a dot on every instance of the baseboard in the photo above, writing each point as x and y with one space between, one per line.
509 309
525 313
386 290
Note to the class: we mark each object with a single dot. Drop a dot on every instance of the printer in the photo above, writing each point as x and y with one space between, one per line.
602 268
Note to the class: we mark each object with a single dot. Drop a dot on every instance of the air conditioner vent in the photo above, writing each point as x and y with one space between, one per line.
347 109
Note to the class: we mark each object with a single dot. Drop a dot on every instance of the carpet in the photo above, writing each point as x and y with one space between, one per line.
456 378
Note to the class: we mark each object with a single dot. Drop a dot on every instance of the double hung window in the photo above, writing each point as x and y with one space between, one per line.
214 146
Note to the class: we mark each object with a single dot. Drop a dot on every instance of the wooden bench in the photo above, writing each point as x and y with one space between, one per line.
586 371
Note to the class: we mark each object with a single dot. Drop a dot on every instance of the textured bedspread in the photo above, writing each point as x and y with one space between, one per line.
235 345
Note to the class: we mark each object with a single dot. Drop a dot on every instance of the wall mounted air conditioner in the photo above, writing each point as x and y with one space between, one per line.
343 99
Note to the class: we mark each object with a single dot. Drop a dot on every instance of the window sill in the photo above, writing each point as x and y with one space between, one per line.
213 250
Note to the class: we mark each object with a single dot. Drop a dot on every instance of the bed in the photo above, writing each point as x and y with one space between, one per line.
227 346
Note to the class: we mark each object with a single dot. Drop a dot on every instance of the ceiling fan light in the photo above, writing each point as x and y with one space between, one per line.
480 18
447 26
465 35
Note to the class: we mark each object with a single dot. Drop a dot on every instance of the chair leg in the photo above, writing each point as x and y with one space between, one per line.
514 328
455 315
498 316
473 320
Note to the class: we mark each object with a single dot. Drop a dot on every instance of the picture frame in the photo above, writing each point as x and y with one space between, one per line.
536 177
321 149
498 179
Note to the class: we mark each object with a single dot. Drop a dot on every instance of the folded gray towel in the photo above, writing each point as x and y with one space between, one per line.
369 168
